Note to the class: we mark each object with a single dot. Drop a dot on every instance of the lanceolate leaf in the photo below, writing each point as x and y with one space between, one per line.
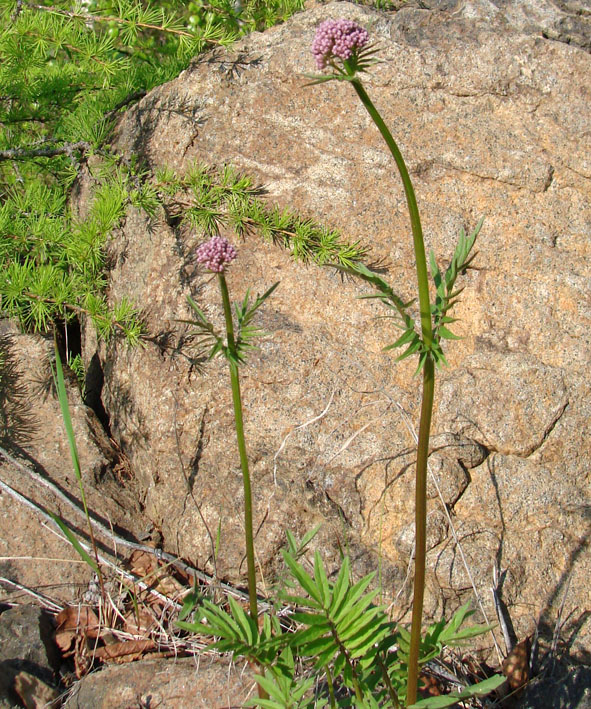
414 347
442 331
304 579
339 591
353 595
321 580
408 336
446 296
71 537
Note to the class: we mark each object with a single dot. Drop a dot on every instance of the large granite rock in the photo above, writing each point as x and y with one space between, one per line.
493 121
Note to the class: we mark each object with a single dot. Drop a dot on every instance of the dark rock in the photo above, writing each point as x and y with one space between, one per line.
570 689
26 644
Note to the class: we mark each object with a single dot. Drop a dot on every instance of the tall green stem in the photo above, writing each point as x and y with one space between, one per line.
420 529
413 210
235 382
427 403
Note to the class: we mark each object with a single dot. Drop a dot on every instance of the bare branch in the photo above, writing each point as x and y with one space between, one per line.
28 153
104 531
17 10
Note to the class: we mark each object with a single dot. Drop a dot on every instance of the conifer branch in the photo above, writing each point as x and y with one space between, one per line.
88 17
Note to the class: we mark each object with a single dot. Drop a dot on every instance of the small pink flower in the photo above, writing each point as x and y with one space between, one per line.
337 38
216 254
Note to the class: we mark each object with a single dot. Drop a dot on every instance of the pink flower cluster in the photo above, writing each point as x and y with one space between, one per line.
216 254
337 38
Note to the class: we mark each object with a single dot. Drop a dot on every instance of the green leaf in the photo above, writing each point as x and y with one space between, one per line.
75 543
416 345
303 578
363 643
65 409
189 603
317 647
271 687
321 580
291 543
436 274
307 538
299 600
357 620
309 635
463 613
352 596
247 624
310 619
221 622
467 633
408 336
442 331
340 588
422 359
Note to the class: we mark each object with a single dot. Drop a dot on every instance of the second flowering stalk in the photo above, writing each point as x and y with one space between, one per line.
216 255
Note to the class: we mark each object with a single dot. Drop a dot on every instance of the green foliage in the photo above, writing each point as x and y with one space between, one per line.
244 336
339 635
237 631
283 689
52 263
445 298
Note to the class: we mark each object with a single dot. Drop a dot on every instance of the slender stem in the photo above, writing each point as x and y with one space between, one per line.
239 425
427 402
333 702
235 381
413 210
420 529
388 683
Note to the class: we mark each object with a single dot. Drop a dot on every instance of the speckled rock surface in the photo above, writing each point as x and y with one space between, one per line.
171 684
493 121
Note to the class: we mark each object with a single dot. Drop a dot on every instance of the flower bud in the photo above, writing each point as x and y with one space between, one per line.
216 254
337 39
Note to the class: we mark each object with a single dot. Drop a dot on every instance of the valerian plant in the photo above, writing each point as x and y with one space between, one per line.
341 48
